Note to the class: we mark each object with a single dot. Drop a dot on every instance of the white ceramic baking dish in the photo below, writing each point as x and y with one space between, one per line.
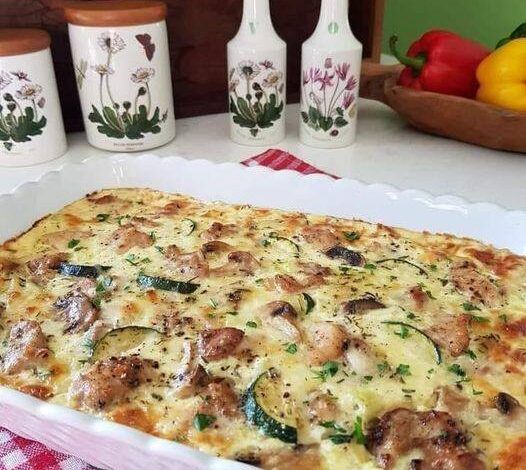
109 445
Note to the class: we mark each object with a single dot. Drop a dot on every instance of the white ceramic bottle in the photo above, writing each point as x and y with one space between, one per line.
31 127
122 66
257 66
331 60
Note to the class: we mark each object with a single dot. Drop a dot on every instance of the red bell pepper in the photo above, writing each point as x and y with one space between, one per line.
441 62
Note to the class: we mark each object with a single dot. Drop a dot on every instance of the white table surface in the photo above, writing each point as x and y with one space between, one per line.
386 151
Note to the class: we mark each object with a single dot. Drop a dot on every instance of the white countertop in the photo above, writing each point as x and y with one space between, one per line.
386 151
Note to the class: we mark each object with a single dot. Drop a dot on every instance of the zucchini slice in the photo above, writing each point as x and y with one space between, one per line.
82 270
436 347
119 340
265 407
287 243
163 283
403 259
188 226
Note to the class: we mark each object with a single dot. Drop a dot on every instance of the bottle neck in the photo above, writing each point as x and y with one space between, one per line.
334 16
256 15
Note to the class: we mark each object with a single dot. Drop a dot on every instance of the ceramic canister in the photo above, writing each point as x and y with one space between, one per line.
257 66
331 61
122 66
31 127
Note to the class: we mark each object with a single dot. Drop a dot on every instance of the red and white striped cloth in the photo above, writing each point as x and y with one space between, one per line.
17 453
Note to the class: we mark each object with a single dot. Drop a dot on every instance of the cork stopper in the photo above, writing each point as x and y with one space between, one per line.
17 41
114 13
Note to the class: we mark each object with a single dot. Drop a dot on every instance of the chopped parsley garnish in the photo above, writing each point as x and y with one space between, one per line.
469 307
202 421
252 324
471 354
309 303
232 312
430 295
403 370
292 348
456 369
403 333
73 243
408 390
333 425
328 369
132 259
480 319
477 392
370 267
160 249
351 236
340 438
504 318
383 367
102 217
153 236
358 431
121 217
135 260
213 303
368 378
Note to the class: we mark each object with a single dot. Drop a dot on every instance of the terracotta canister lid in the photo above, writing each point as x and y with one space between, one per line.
17 41
114 13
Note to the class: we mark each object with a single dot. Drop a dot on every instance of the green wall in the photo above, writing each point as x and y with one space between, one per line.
483 20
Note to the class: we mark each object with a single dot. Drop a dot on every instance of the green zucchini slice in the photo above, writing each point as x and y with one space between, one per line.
162 283
287 243
436 347
188 226
81 270
265 407
120 340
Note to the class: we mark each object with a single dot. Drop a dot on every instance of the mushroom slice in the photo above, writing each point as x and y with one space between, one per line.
362 305
218 230
215 246
191 375
475 286
281 316
284 283
109 380
323 236
219 398
77 310
219 343
328 342
350 257
192 264
451 333
26 347
127 237
508 405
238 262
436 433
360 357
44 268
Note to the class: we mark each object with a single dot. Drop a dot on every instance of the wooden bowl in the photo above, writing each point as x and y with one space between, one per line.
448 116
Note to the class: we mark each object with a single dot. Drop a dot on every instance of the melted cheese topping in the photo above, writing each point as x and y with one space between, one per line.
408 273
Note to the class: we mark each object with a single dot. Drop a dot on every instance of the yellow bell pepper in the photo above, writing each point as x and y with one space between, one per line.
502 76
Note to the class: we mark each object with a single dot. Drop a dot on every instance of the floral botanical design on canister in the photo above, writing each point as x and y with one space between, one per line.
21 103
256 95
130 118
328 97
